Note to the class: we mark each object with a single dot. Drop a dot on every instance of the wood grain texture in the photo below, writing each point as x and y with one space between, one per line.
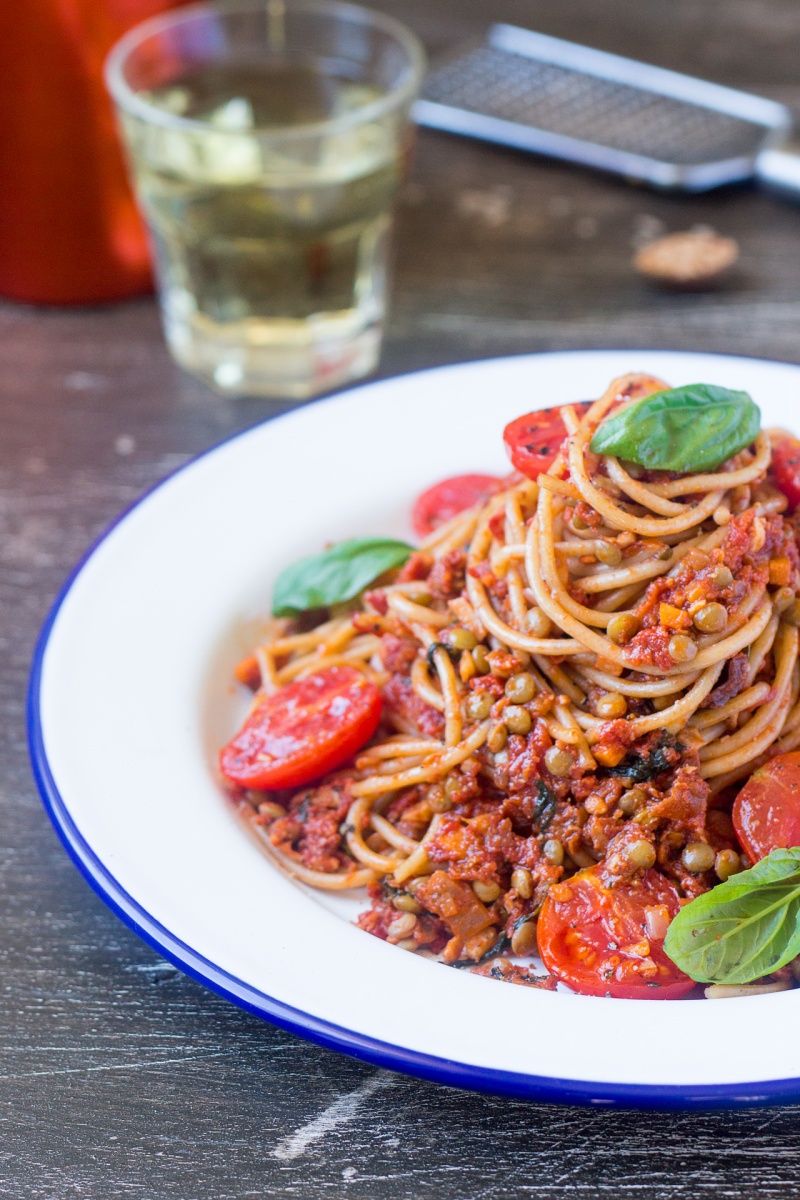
119 1077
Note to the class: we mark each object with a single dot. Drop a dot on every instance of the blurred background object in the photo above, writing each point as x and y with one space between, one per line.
534 92
693 259
70 232
267 141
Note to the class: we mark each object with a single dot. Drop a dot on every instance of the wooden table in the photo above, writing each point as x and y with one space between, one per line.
119 1076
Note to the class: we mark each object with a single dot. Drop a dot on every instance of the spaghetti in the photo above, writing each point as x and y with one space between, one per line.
575 674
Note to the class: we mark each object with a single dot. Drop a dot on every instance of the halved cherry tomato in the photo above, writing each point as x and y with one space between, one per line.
533 441
307 728
444 500
786 465
595 938
766 813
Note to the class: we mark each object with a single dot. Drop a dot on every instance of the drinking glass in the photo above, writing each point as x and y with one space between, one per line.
267 139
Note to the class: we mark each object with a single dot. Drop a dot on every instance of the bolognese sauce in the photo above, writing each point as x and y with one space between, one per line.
574 676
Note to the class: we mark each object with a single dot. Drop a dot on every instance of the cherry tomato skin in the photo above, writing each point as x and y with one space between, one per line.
786 466
766 813
301 732
594 938
533 440
450 497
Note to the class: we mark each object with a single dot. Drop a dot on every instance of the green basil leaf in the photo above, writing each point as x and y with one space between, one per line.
693 428
336 574
745 927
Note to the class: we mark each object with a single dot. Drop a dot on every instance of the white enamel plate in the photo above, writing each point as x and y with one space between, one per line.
131 698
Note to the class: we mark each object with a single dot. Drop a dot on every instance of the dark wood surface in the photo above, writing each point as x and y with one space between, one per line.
119 1077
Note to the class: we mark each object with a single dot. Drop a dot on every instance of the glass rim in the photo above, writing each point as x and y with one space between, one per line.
131 101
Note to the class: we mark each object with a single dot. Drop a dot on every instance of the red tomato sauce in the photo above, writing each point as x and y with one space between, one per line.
585 867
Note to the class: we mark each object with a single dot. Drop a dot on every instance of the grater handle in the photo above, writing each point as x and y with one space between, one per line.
779 166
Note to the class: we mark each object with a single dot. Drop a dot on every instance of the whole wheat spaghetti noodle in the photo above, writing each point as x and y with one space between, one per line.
574 672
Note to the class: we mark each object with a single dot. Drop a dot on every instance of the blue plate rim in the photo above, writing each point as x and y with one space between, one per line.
534 1088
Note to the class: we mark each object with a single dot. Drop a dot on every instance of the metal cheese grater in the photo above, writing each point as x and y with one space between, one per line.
540 93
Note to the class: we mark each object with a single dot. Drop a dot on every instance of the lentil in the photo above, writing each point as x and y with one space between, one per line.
478 706
722 577
480 656
553 852
406 904
520 688
727 863
681 648
522 882
559 762
641 854
539 623
517 719
609 553
631 801
711 618
698 857
622 627
402 926
458 638
487 892
611 706
438 799
523 939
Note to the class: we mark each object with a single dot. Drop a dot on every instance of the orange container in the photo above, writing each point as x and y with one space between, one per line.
70 232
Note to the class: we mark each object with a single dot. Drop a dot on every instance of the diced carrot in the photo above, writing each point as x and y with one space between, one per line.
780 571
609 756
673 618
696 594
248 672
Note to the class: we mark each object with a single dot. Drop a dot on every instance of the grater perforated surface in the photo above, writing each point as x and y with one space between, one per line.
515 87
